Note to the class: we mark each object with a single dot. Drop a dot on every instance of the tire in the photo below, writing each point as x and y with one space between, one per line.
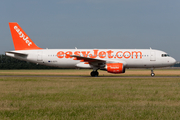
94 74
152 74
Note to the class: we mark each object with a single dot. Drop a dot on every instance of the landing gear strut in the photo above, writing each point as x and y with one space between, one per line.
152 73
94 73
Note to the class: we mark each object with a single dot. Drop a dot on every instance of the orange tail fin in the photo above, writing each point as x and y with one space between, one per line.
20 39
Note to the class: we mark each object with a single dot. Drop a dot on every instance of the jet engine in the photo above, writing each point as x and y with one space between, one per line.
115 68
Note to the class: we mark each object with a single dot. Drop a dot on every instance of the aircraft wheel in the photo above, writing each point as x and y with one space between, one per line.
152 74
94 73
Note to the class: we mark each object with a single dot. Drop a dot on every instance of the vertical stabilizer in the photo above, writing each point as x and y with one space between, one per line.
20 39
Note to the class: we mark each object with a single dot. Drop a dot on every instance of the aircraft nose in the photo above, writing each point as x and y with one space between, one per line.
173 61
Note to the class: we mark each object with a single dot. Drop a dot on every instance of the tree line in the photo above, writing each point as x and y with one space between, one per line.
12 63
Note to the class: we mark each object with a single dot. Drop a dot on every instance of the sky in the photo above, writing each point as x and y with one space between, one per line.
102 24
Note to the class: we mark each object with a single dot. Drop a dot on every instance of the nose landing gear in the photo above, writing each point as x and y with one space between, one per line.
152 73
94 73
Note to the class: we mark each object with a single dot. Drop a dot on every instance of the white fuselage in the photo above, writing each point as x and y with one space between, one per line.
131 58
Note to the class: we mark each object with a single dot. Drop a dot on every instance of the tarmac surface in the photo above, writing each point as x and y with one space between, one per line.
60 76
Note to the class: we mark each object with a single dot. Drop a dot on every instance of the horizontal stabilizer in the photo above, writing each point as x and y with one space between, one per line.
17 53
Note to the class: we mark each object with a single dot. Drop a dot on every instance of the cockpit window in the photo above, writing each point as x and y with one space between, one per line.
165 55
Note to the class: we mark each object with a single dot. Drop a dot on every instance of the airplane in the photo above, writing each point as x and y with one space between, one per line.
112 60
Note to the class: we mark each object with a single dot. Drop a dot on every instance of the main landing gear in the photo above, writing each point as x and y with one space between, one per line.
152 73
94 73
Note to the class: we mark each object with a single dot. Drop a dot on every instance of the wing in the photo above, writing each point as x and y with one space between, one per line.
98 63
86 59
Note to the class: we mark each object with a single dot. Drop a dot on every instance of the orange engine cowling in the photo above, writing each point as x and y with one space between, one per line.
115 68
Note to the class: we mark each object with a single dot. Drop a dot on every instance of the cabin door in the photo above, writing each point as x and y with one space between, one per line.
39 56
152 56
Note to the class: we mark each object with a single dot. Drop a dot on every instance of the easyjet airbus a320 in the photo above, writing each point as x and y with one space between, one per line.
111 60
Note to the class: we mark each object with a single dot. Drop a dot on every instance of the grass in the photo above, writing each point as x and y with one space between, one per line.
75 98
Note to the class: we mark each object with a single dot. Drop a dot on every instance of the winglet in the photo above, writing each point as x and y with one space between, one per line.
20 39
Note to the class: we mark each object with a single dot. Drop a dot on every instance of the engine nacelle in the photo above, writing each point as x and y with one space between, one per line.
115 68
